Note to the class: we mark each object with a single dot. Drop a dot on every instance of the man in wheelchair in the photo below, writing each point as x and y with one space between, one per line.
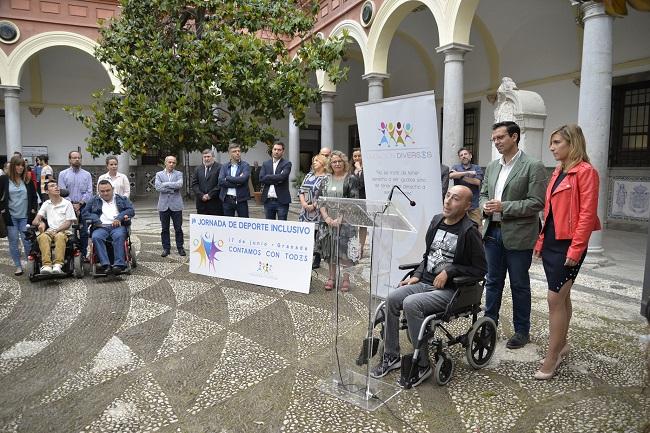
59 214
107 215
453 248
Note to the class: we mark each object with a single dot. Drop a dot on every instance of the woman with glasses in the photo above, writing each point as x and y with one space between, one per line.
18 204
570 216
340 183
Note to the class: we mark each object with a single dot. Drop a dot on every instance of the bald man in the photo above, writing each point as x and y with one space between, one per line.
325 151
454 248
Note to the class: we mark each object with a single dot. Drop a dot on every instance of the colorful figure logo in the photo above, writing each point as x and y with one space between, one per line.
264 267
207 250
398 134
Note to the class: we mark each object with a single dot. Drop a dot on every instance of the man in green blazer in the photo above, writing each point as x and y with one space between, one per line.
512 194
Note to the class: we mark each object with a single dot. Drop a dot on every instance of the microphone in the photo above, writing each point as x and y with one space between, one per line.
390 195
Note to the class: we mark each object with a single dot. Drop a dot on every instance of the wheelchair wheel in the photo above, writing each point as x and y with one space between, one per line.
30 269
134 263
77 267
444 369
481 342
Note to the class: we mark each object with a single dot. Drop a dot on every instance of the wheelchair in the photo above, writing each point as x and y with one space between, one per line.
129 252
479 340
72 262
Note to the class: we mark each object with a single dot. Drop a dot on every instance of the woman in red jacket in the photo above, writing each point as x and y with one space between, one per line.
570 215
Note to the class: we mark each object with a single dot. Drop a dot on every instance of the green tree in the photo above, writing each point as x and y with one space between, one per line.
200 73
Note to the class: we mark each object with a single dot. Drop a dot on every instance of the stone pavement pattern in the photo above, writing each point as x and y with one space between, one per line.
166 350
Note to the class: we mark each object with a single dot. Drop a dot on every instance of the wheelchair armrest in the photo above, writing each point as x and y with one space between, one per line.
466 280
408 266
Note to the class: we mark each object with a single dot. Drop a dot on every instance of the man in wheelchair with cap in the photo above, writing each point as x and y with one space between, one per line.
454 248
108 214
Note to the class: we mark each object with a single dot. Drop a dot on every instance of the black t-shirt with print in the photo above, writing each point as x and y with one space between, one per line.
441 251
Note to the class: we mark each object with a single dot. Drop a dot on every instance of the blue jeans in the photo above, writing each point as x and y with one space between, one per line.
177 218
15 232
273 208
516 263
230 206
117 235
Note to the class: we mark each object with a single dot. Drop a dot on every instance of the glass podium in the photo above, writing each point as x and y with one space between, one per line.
349 379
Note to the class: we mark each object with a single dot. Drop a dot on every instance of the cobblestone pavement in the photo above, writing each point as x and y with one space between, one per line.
166 350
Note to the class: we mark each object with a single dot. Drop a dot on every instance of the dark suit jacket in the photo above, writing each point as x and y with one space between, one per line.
239 181
444 180
206 185
32 200
280 179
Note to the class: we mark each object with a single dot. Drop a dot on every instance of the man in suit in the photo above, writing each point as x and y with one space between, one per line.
274 178
169 183
233 181
205 185
512 194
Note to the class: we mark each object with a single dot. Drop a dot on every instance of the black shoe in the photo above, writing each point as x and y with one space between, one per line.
117 270
181 252
315 264
517 341
99 269
388 363
421 375
165 253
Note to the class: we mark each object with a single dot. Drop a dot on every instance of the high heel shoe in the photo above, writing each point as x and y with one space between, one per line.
329 285
564 352
540 375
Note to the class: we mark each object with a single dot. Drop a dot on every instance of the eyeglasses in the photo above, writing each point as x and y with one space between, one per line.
498 138
338 161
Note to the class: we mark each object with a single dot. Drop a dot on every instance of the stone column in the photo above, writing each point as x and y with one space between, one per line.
594 109
12 120
123 162
294 154
453 105
375 85
327 120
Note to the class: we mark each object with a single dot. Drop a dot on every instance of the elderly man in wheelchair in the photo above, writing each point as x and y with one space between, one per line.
107 215
454 257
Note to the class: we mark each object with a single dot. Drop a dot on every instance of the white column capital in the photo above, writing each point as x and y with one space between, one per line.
374 77
593 9
327 96
11 91
454 52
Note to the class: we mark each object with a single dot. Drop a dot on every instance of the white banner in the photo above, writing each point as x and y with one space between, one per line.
399 144
257 251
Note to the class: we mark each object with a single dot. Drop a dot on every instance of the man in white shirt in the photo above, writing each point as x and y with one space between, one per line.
108 213
59 214
120 182
512 194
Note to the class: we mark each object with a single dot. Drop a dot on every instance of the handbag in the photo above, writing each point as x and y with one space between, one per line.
3 227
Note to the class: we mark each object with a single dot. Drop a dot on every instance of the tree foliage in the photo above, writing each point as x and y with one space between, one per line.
201 73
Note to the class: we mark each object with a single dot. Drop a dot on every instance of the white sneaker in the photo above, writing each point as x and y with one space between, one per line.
46 270
56 269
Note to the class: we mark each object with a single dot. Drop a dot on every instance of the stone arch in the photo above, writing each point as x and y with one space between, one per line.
461 15
4 68
357 33
33 45
389 16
